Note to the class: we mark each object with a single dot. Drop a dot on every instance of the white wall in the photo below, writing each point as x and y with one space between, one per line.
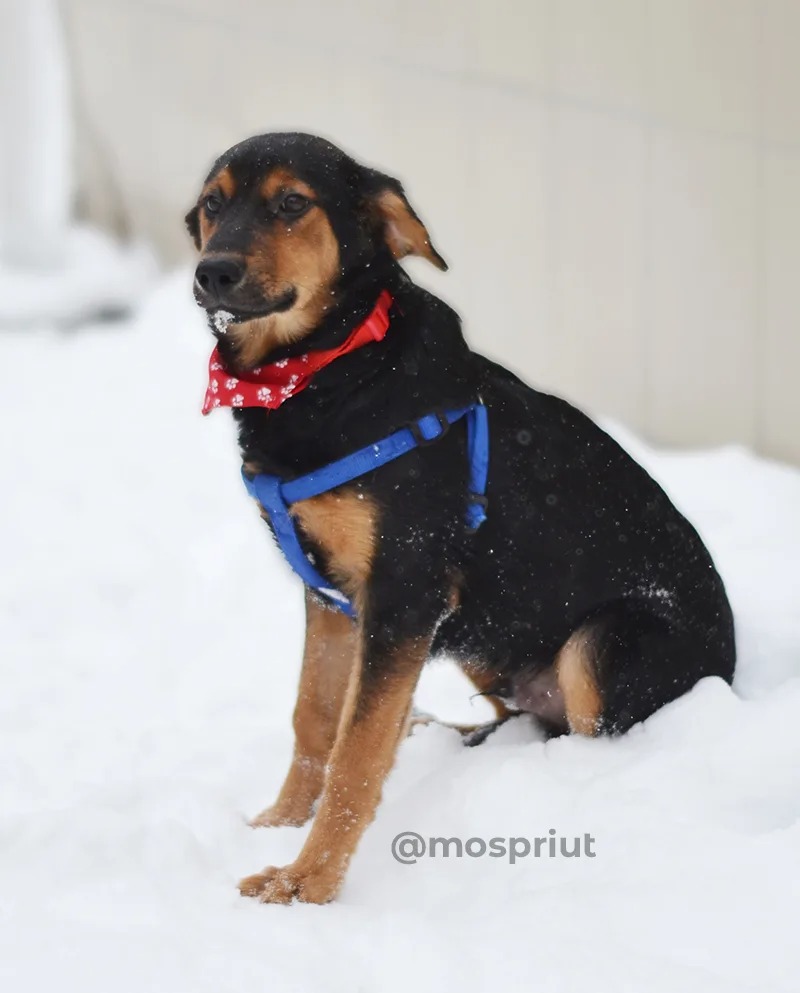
35 144
616 183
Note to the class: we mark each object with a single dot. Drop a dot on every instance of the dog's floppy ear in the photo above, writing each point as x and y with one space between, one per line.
192 220
390 212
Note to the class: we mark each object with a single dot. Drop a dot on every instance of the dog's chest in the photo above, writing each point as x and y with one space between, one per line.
343 526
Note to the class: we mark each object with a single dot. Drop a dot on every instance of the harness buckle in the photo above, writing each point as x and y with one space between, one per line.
419 437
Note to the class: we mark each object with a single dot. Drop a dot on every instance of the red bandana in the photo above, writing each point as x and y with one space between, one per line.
269 385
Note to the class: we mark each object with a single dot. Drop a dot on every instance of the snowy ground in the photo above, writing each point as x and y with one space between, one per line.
97 276
150 643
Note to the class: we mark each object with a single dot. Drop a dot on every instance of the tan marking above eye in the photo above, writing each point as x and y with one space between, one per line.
225 182
221 185
282 180
303 255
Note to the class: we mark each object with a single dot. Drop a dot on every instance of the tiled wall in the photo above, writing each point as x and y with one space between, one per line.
616 183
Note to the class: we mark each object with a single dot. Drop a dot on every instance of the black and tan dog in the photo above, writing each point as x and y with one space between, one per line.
585 598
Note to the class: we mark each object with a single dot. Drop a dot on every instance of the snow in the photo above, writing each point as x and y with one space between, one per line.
150 646
222 318
97 277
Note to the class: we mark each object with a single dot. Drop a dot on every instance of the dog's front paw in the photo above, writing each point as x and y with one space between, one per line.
283 815
285 884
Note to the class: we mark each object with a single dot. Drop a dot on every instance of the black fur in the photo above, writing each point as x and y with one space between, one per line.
576 532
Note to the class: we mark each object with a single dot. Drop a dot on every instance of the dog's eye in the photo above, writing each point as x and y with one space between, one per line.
293 204
212 204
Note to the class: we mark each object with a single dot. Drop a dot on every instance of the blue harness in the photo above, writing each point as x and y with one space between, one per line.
276 497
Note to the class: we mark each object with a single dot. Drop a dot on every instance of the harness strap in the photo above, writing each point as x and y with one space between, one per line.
478 452
267 490
276 496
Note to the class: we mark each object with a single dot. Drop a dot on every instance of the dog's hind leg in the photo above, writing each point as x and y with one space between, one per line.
486 683
330 651
471 738
473 734
628 660
576 678
616 669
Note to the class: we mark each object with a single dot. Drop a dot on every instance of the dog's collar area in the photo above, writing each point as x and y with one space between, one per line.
276 496
272 384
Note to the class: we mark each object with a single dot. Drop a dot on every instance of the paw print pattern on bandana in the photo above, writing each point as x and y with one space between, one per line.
283 382
270 385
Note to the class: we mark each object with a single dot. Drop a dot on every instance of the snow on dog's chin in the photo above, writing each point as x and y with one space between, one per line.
221 319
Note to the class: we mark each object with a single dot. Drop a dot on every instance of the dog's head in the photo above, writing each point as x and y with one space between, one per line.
281 221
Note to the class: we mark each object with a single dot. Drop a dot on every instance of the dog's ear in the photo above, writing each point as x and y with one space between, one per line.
192 220
389 211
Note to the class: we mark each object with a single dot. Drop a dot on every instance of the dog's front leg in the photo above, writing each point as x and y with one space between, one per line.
373 721
330 651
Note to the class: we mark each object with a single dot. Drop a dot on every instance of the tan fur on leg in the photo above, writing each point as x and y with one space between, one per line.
485 682
578 684
330 650
372 724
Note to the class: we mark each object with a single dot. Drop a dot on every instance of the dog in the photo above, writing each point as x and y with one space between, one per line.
564 581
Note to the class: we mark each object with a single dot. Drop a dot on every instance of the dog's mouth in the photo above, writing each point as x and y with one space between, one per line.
221 317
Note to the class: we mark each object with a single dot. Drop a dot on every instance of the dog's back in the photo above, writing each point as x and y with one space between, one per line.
580 538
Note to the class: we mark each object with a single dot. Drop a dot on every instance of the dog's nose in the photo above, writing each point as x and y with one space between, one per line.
216 277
